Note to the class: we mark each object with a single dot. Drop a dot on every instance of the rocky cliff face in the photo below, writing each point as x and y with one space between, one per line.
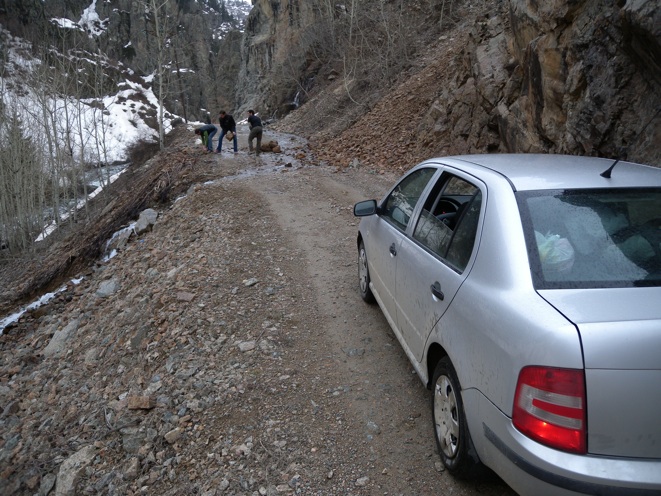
273 60
590 78
580 77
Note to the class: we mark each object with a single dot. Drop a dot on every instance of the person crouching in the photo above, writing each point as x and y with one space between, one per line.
227 125
206 133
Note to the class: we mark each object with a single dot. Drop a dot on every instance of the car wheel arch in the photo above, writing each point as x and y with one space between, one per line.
435 354
359 239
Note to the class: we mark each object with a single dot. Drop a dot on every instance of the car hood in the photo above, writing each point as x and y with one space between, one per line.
620 330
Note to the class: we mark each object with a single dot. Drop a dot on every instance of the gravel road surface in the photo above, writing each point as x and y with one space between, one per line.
227 351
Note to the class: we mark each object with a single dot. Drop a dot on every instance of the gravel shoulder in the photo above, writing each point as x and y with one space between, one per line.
234 355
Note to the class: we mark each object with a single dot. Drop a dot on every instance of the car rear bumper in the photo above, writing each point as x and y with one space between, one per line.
530 468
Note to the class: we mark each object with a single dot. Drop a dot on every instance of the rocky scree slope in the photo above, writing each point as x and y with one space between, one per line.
155 373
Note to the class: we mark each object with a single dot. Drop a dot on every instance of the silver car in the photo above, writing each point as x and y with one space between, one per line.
526 292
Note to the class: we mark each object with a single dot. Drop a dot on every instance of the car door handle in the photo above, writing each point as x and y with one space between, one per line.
393 250
436 291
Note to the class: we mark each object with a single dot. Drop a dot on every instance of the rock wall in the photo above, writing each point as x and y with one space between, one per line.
580 77
274 55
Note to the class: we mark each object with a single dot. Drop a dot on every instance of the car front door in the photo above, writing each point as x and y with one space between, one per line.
434 261
387 232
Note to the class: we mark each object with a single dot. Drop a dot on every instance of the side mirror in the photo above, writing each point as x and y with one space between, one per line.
365 208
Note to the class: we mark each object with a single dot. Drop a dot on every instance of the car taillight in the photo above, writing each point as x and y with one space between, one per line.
549 407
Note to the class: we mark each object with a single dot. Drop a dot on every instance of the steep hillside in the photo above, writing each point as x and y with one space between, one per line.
293 50
489 76
398 79
185 38
510 77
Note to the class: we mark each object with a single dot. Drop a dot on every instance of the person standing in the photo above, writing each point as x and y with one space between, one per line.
227 125
255 124
206 133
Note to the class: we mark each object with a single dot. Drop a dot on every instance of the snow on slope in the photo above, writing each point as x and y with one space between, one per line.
109 123
119 117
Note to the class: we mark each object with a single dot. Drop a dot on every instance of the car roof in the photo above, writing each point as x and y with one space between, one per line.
529 171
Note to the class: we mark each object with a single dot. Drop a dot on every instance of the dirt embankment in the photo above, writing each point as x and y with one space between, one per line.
225 352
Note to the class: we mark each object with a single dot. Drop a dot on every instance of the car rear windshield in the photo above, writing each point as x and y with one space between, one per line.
593 238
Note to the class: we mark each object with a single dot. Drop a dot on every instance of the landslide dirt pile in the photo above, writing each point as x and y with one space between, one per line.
388 136
387 132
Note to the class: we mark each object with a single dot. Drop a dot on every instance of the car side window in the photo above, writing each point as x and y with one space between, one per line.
401 202
448 221
464 234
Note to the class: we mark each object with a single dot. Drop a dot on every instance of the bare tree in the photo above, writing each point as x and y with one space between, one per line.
367 40
21 185
161 15
60 101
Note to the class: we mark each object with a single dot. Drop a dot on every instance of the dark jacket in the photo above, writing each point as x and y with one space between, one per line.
227 123
254 121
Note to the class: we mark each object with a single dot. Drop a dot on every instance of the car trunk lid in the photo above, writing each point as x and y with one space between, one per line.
620 330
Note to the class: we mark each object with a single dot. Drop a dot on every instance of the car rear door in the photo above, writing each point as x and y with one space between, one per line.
434 261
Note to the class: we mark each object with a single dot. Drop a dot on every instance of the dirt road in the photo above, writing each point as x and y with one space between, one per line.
385 431
232 355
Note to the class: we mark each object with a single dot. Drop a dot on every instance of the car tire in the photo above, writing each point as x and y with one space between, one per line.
364 275
449 421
